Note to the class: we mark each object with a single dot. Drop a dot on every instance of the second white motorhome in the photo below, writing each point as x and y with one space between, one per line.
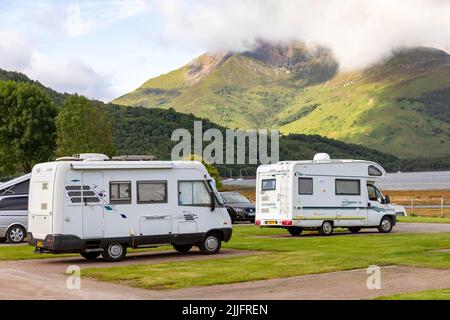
322 194
99 207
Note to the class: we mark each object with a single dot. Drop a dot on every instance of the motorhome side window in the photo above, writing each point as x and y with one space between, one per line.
374 171
305 186
348 187
120 192
193 193
268 184
152 191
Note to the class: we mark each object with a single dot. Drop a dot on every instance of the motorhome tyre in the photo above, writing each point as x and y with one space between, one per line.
211 243
354 229
326 228
114 252
182 247
386 225
90 255
295 231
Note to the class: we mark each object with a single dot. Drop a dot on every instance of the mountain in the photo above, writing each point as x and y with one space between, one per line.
138 130
400 105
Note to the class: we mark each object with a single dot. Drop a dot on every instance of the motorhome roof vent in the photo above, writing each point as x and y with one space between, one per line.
91 156
68 159
322 157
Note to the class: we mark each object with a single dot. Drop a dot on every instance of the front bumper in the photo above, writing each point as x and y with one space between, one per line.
227 233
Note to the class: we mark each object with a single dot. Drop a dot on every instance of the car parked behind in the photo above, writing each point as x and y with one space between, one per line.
239 207
14 209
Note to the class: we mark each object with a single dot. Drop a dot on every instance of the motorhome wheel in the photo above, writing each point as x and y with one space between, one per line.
326 229
182 247
16 234
295 231
385 225
210 244
90 255
114 252
354 229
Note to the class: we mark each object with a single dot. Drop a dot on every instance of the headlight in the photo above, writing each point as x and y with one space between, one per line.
240 210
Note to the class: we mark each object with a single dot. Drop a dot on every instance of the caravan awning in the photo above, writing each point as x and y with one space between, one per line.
85 165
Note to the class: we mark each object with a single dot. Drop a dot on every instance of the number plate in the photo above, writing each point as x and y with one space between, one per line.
39 244
271 222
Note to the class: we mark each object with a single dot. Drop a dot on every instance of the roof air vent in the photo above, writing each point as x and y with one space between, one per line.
322 157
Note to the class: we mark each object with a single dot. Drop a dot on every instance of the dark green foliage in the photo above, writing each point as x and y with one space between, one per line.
303 112
27 126
83 127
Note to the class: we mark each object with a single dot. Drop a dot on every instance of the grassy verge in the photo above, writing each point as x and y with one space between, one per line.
284 257
423 219
439 294
26 252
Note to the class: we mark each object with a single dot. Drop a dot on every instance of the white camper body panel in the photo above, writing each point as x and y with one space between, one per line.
73 199
324 198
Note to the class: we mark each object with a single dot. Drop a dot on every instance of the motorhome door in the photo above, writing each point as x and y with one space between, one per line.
273 195
91 203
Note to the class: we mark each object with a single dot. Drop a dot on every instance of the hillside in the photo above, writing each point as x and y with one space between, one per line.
400 106
139 130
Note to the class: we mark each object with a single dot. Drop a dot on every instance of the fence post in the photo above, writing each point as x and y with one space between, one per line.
412 206
442 206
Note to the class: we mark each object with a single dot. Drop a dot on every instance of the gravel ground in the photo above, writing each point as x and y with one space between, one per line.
46 279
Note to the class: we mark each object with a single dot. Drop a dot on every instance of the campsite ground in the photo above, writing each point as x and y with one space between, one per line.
263 263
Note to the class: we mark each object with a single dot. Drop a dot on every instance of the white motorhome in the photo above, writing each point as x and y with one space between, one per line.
97 206
322 194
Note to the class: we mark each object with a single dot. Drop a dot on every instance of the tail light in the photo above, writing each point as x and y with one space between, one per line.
286 223
258 222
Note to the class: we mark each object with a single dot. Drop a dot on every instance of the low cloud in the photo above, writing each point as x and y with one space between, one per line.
359 32
73 76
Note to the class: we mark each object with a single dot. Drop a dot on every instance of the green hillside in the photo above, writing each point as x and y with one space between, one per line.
138 130
400 106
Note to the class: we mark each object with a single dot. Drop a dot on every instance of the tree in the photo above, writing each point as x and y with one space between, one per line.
82 127
212 170
27 127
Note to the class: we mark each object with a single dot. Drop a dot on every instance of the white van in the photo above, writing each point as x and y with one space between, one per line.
322 194
14 209
95 207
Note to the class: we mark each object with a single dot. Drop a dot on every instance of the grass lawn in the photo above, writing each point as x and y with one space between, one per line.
285 257
439 294
423 219
27 252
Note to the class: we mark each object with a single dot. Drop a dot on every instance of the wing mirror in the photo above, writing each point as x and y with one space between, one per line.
386 200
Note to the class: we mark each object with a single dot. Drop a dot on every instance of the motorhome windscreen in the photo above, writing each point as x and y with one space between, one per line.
268 184
212 185
348 187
